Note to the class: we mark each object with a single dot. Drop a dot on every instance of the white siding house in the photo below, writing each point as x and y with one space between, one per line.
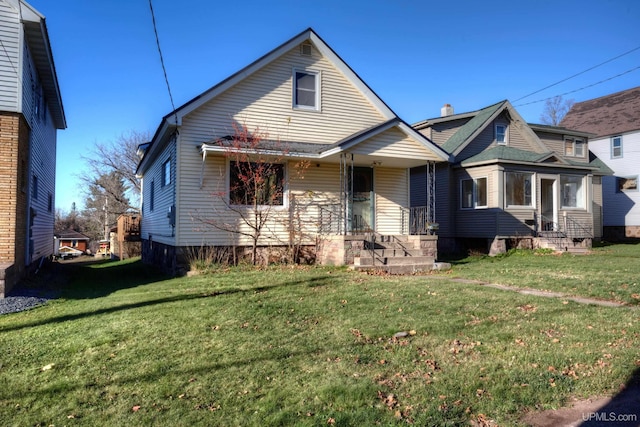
31 112
305 101
615 121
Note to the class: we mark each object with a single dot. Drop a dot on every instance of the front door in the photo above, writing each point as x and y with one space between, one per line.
362 200
548 206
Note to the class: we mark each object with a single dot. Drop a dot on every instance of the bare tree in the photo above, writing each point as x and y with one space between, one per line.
257 181
118 158
555 109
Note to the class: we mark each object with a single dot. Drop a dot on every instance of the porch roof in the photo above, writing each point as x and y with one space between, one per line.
331 152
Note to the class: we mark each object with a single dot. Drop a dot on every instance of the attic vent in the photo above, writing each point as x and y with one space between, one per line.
305 49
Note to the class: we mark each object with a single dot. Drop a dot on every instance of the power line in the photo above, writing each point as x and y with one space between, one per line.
577 90
575 75
164 69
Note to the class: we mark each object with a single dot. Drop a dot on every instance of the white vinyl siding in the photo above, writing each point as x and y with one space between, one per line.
619 208
394 144
391 186
263 100
155 223
10 58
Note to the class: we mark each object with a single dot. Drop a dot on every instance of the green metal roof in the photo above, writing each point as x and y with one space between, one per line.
596 163
469 128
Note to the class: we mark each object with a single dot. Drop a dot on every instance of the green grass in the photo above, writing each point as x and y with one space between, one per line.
308 346
610 272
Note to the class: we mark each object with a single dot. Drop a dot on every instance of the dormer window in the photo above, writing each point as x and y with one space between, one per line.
306 90
501 134
573 147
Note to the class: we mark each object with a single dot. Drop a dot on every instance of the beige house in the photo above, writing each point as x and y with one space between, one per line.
511 183
309 106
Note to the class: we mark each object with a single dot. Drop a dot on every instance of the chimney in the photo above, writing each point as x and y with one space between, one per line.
447 110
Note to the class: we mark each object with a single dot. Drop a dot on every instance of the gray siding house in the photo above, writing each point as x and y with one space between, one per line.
31 112
511 183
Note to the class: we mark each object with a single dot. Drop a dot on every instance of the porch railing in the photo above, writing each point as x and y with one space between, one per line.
417 220
567 227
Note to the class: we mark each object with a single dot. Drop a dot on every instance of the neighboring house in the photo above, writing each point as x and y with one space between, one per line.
510 183
31 111
614 120
71 243
315 108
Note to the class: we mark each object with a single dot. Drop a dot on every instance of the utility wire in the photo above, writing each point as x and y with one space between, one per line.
584 87
575 75
164 69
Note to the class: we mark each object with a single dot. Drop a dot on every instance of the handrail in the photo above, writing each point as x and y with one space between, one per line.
569 227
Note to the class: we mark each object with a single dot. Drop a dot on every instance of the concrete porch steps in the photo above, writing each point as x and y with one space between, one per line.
563 245
394 255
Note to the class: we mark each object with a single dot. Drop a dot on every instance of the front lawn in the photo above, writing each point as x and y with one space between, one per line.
311 346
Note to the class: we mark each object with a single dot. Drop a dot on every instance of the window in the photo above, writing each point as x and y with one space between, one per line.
573 147
306 90
627 184
50 203
616 147
166 172
151 196
519 188
501 134
74 243
572 191
262 183
474 193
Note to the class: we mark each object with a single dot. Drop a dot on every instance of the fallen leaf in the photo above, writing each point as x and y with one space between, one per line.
136 408
48 367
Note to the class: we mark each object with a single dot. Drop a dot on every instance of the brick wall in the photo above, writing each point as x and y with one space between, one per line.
14 157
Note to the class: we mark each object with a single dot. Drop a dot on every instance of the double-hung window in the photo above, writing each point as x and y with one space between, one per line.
166 172
473 193
616 147
306 90
501 133
519 188
256 183
573 191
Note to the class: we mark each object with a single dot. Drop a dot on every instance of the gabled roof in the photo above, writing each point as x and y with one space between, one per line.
71 235
37 37
478 121
174 119
324 151
608 115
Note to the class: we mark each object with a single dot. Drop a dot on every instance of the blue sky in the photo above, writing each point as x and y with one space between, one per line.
415 54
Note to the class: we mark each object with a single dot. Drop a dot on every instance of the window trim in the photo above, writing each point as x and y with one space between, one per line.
166 172
532 194
505 133
474 189
630 190
613 148
317 98
574 143
583 191
285 190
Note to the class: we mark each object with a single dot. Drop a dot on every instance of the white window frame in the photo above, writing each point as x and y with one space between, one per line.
613 147
166 172
317 81
505 134
285 189
474 193
574 143
581 193
532 190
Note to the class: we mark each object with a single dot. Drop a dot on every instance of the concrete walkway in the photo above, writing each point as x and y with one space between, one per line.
539 293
